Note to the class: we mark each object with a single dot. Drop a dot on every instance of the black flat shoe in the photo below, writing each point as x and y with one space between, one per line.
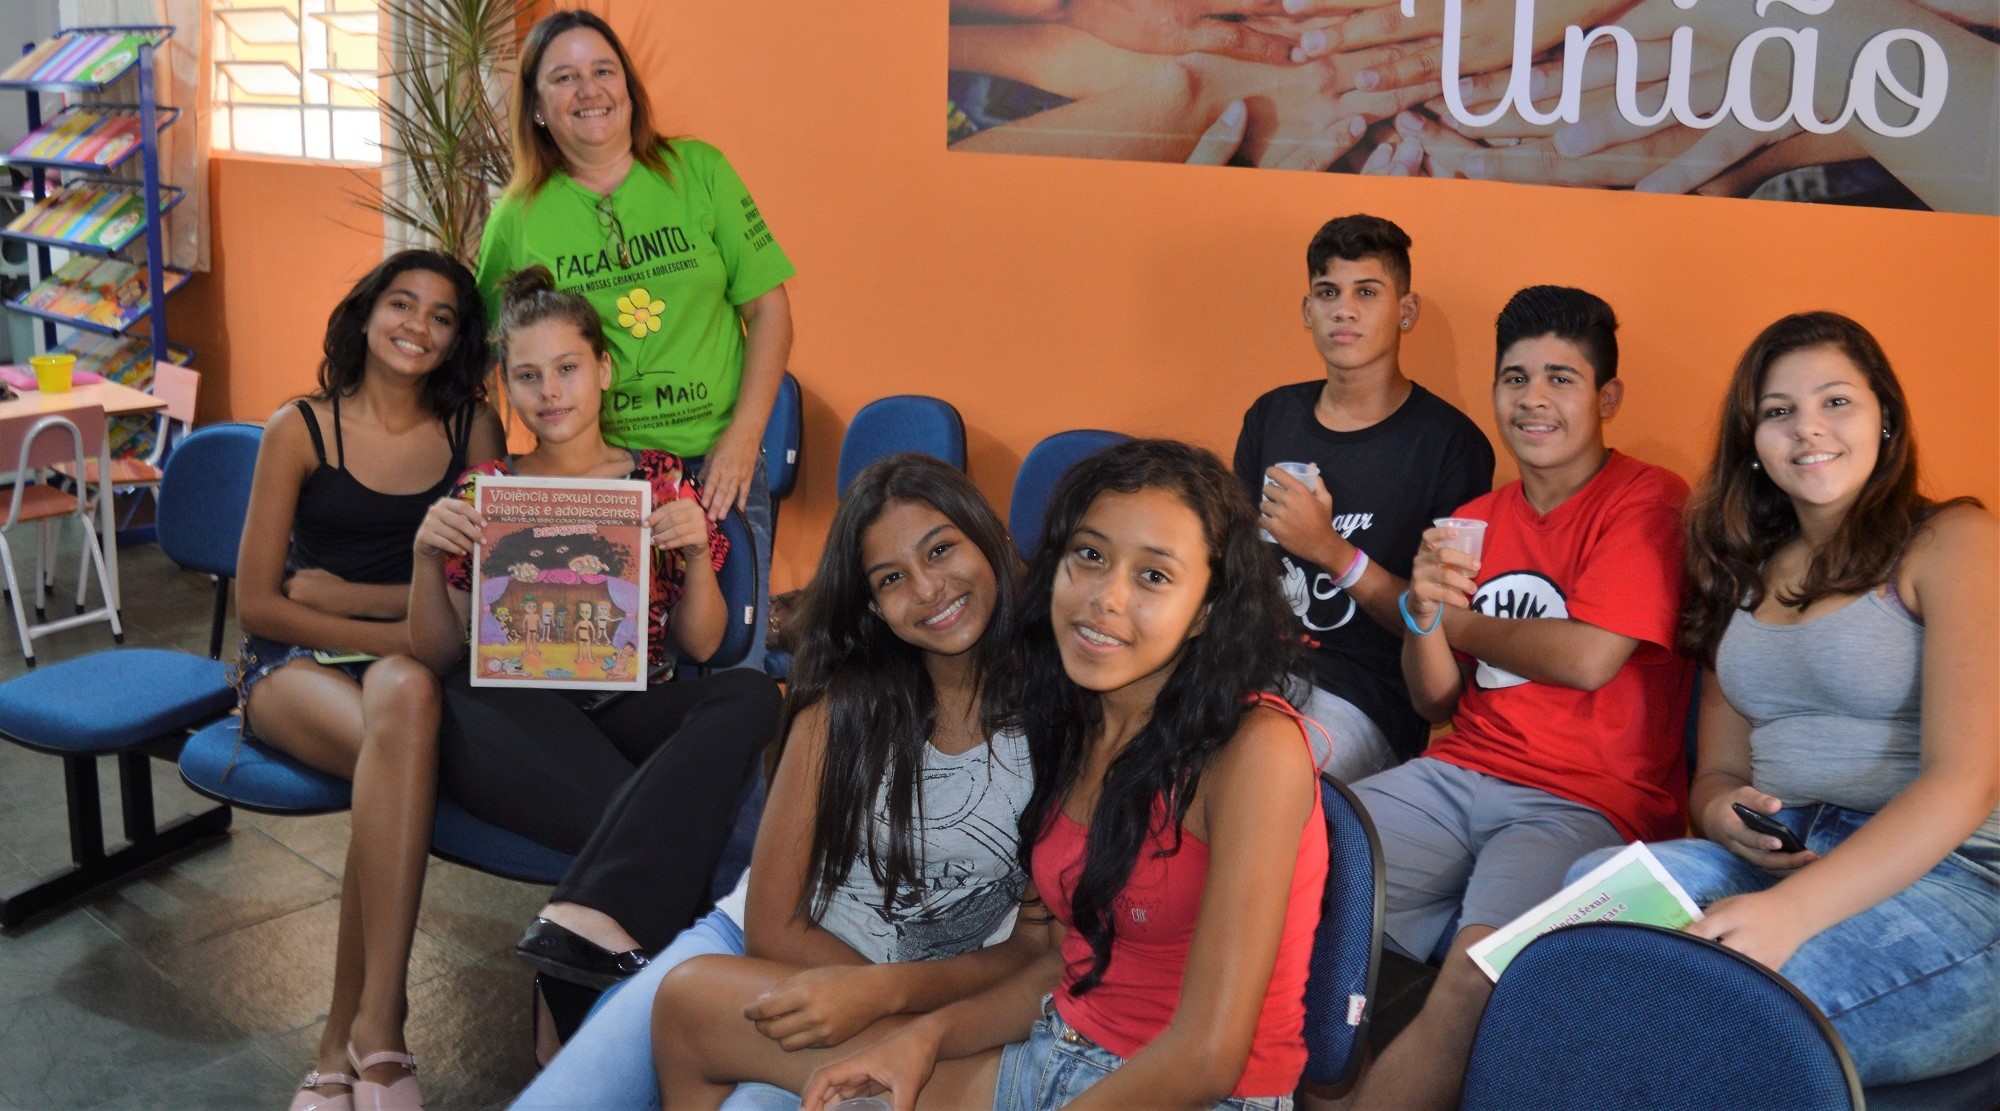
554 951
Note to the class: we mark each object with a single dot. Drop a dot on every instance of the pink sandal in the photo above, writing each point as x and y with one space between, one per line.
308 1100
403 1095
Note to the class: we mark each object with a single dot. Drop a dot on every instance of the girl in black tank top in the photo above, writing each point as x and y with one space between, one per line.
323 593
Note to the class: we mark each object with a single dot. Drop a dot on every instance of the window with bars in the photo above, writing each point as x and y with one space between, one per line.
298 78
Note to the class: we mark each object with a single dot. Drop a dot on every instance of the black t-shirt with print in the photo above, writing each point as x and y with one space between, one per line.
1388 481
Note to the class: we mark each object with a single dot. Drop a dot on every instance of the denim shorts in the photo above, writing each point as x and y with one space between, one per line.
260 656
1056 1064
1912 984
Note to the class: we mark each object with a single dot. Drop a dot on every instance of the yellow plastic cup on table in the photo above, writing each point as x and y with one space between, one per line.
53 373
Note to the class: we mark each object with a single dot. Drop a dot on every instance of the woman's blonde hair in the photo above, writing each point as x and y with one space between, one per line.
536 156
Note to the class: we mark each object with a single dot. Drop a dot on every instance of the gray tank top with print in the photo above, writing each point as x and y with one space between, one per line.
1833 703
971 879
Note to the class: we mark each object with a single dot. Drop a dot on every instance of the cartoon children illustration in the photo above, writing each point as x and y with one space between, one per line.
505 618
530 610
562 622
604 622
621 664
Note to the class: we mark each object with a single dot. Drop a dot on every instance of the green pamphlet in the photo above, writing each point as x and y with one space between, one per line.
1630 887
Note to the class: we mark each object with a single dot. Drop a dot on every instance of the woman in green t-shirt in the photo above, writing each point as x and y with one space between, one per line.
665 242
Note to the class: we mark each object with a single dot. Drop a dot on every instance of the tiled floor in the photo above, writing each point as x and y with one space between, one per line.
203 982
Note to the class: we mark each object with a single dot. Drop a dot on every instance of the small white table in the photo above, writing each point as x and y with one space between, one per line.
116 401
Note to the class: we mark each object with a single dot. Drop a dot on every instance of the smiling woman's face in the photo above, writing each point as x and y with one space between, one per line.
584 99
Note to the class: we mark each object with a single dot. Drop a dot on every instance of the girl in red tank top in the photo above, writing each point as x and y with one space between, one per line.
1174 832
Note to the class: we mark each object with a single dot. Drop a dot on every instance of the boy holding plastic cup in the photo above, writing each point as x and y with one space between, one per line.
1381 456
1539 621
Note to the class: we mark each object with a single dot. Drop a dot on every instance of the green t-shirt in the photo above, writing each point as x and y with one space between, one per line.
697 248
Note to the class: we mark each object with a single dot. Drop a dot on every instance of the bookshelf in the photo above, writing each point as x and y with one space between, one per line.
89 199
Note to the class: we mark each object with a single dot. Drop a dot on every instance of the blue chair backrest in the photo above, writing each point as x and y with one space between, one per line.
906 422
204 495
781 439
1611 1014
1044 466
1347 947
738 580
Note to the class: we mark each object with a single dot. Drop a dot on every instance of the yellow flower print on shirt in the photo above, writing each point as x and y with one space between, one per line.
639 312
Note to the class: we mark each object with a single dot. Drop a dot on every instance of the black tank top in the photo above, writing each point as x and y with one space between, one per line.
363 535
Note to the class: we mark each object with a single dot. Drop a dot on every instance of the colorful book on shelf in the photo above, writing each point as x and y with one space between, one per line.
58 283
97 200
89 58
64 66
57 136
107 142
32 60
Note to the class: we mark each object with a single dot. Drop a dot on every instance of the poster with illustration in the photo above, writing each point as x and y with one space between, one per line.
560 583
1882 103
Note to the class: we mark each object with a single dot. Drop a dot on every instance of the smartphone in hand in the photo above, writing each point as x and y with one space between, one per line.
1788 842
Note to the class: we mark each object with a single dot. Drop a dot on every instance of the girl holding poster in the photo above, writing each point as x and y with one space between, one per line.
641 787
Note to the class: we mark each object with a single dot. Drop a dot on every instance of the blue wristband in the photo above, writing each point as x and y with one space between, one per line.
1410 623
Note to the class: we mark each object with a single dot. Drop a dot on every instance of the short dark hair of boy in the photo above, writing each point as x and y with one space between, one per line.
1571 315
1358 237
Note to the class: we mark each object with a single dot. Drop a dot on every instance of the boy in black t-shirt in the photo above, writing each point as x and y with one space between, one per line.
1391 456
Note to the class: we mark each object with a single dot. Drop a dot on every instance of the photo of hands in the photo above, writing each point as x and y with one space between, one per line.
1882 103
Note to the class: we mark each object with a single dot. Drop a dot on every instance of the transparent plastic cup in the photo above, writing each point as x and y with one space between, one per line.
1466 534
53 373
864 1103
1304 472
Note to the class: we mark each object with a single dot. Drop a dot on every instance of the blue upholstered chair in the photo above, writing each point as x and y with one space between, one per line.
139 702
906 422
1043 467
783 436
1347 947
1621 1015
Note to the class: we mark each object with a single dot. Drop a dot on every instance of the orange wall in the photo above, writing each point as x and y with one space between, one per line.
287 243
1041 294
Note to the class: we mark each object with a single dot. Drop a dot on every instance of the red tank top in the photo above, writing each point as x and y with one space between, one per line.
1155 917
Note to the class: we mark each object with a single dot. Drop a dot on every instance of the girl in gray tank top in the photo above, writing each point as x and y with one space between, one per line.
1849 625
888 855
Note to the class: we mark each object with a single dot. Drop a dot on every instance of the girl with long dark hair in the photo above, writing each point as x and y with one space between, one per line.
1174 832
325 567
1847 622
889 835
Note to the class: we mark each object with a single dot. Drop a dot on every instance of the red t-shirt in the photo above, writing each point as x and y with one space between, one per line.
1610 556
667 475
1155 918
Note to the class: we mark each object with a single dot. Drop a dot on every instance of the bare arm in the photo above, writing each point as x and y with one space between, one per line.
439 615
329 593
1557 651
771 928
1301 518
700 617
1440 579
283 462
1062 60
767 344
1950 579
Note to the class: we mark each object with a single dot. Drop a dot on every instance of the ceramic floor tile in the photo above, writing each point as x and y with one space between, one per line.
246 1080
479 915
59 948
470 1029
246 879
101 1037
319 838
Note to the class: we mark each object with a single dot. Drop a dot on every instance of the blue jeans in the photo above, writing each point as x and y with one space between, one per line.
1056 1064
609 1063
1912 984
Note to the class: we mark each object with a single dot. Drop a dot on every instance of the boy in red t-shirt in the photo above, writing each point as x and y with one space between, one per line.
1552 655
